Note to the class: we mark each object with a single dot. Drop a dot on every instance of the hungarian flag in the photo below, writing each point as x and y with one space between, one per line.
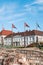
26 25
13 26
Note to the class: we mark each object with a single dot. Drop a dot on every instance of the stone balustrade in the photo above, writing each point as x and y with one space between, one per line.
35 57
21 57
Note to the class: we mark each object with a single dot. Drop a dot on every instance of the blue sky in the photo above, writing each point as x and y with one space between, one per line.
20 11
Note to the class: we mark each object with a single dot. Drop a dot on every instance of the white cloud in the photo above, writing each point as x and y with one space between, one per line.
33 9
30 9
7 13
19 14
38 2
12 16
27 7
8 8
17 20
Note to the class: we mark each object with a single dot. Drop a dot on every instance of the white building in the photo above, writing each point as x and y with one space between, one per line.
28 37
3 34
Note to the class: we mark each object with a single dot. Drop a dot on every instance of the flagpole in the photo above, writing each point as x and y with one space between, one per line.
36 32
13 26
2 36
36 35
24 35
12 38
36 25
25 25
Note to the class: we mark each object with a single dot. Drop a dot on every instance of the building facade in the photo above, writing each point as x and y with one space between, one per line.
3 34
24 38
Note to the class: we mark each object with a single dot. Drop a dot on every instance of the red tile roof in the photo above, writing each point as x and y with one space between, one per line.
5 32
27 33
37 32
0 33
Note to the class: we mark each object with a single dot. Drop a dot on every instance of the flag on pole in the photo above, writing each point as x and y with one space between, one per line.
26 25
38 25
13 26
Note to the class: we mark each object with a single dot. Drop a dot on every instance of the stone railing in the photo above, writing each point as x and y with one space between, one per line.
29 56
35 57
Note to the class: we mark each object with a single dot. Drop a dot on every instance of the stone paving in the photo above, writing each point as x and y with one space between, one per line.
24 56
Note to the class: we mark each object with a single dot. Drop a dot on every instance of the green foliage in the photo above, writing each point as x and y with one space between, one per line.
10 46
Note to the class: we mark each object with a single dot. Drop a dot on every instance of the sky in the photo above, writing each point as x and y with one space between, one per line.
18 12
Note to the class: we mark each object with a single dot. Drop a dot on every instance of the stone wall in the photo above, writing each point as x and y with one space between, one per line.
35 57
27 56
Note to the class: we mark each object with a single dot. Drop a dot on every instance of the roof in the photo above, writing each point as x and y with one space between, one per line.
0 33
33 32
37 32
5 32
27 33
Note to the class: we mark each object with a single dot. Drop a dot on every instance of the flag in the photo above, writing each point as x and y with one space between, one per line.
38 25
26 25
13 26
